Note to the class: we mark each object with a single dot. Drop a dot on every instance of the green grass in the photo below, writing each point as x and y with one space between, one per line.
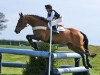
14 58
18 58
20 47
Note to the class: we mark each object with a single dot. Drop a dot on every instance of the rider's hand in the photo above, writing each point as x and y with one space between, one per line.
54 18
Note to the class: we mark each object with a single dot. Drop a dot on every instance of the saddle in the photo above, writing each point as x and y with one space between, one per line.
60 28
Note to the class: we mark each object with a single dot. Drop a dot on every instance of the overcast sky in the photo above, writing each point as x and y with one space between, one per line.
83 15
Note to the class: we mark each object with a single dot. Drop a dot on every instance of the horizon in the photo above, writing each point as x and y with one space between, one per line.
81 15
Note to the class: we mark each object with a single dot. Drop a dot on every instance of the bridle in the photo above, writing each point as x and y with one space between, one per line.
26 25
36 27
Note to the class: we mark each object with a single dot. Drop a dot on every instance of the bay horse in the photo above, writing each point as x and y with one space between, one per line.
75 40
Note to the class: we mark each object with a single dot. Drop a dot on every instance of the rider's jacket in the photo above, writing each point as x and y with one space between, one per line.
52 14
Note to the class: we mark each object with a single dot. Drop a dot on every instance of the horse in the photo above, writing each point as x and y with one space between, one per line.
74 39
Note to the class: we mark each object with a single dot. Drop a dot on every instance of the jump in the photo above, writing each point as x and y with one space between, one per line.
75 39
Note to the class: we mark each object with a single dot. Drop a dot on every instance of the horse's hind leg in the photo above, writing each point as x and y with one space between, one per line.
86 49
82 52
76 49
71 46
85 45
87 59
84 62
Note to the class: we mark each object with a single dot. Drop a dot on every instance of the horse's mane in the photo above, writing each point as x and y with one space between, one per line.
39 17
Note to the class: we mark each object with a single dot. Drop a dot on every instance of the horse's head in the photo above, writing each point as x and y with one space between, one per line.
21 23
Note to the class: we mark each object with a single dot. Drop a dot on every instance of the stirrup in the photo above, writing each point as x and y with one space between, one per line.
55 32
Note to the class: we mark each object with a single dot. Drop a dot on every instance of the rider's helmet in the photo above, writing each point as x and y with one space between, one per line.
48 6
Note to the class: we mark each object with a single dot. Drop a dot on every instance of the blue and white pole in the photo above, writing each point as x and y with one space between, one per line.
50 49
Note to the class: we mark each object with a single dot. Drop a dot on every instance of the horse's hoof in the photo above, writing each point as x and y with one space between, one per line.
86 67
35 47
90 66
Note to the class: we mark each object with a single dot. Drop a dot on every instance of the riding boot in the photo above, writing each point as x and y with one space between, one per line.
54 30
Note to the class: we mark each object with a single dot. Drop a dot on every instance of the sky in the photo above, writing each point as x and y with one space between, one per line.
83 15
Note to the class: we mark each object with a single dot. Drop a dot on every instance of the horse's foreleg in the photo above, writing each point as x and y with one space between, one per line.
33 44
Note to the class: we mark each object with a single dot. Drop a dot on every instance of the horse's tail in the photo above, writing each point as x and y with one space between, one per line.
86 45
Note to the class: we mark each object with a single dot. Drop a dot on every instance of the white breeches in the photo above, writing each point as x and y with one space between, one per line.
55 22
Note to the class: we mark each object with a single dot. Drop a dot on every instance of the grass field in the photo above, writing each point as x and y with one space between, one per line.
18 58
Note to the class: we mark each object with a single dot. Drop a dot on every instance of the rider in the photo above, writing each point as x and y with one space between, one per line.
54 17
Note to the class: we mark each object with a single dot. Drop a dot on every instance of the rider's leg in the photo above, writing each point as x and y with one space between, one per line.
54 25
54 28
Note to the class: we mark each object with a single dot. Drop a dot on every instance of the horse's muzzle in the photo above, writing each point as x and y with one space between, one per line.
16 32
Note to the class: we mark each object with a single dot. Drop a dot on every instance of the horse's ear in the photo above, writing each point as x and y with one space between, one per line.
20 14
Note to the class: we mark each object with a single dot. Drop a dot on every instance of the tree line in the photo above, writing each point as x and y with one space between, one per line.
14 42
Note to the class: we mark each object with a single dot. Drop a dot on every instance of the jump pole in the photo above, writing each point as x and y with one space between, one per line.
49 69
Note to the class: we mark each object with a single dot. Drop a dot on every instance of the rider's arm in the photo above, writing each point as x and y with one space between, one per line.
51 17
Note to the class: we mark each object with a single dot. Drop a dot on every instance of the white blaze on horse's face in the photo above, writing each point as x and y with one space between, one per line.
21 24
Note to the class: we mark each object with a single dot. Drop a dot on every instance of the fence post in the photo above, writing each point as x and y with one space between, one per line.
45 72
0 62
77 64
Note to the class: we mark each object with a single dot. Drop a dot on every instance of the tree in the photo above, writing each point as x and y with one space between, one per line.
2 20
